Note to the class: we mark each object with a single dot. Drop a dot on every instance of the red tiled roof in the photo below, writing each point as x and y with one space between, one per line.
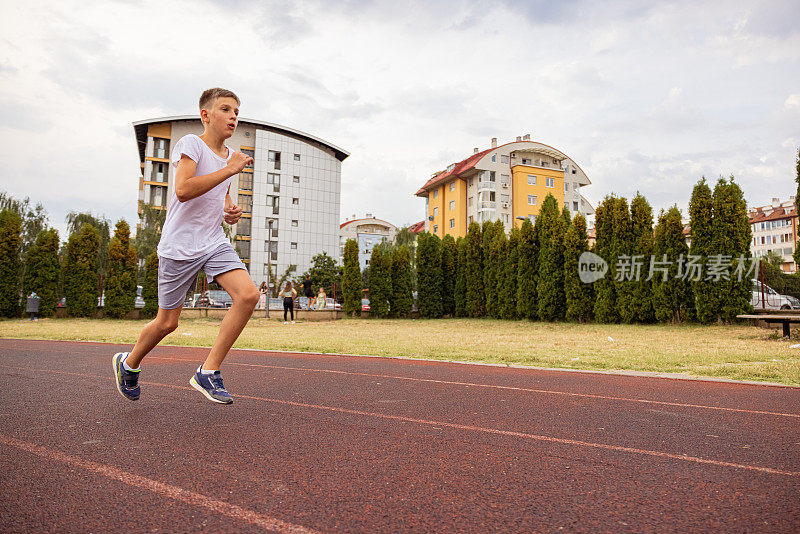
418 227
364 219
457 169
779 213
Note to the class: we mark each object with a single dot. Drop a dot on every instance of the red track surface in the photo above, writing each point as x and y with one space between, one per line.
338 443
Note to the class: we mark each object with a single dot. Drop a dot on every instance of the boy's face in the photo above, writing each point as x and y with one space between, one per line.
222 118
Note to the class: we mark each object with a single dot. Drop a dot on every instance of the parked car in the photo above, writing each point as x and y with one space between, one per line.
218 298
795 302
764 297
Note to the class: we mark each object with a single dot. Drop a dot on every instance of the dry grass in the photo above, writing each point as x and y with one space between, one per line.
738 352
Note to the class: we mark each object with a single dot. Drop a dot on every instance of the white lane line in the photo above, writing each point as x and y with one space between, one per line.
167 490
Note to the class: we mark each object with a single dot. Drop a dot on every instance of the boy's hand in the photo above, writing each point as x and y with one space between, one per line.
238 162
232 214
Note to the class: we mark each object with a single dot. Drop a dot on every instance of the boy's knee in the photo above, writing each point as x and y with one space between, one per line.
251 298
168 325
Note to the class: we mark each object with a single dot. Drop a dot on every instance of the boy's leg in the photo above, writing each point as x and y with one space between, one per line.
245 297
165 322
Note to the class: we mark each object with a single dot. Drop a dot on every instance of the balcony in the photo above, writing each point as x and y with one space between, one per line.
487 205
487 186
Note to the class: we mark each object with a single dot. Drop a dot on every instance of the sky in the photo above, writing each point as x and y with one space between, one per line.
644 96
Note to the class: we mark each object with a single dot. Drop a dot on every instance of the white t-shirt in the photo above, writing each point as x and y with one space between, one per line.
194 228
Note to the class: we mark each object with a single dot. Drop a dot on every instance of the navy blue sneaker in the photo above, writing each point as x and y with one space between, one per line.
211 386
127 381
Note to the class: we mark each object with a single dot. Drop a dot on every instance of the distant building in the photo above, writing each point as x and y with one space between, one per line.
775 229
290 196
507 183
368 231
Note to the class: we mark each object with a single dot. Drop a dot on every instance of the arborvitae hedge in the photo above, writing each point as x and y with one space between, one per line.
80 278
488 231
508 287
640 309
10 243
429 276
460 297
605 306
449 275
701 216
672 295
401 300
797 208
731 238
150 286
578 295
623 246
120 284
351 279
476 303
527 307
380 284
499 250
41 271
550 286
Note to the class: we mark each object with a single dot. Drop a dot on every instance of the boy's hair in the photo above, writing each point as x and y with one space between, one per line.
210 95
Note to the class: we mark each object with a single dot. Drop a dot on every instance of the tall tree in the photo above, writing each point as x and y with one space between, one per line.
605 303
150 286
579 301
460 295
508 289
527 307
33 219
42 270
499 252
380 284
701 217
401 300
324 273
449 275
429 275
797 206
148 233
636 299
80 277
75 220
10 243
351 279
476 300
491 264
672 293
550 287
120 286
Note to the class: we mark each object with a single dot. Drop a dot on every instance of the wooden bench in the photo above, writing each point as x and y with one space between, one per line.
786 320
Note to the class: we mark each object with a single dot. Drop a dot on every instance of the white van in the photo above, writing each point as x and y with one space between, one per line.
768 298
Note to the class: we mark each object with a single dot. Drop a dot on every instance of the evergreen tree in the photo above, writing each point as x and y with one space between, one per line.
460 296
508 287
351 279
120 286
148 234
429 275
380 284
550 287
527 307
579 299
324 273
701 216
33 220
10 243
42 270
622 269
730 241
490 266
672 294
150 286
75 220
605 303
636 299
499 252
476 303
566 218
797 207
80 277
401 300
449 275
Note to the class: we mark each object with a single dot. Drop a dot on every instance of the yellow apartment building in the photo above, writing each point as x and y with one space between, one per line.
506 183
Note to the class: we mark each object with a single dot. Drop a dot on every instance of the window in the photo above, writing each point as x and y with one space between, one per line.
243 226
453 185
532 200
293 246
504 198
275 158
550 182
574 186
159 173
452 205
504 217
575 206
246 203
469 201
294 223
273 202
297 157
272 228
160 147
503 159
274 179
566 205
574 171
435 211
494 157
532 218
491 195
470 182
491 176
531 179
270 246
526 161
566 186
157 196
435 228
296 179
246 181
452 223
470 218
435 193
251 153
296 201
243 249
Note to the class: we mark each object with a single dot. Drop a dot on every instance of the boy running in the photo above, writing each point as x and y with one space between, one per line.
192 239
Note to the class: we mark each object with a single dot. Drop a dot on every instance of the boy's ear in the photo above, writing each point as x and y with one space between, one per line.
204 115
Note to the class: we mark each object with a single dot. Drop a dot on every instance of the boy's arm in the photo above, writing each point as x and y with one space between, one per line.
189 186
232 212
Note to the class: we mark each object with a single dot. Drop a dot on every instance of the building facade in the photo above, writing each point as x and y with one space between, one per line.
290 196
368 232
507 183
774 229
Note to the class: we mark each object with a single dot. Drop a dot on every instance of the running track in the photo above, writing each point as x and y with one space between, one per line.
339 443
